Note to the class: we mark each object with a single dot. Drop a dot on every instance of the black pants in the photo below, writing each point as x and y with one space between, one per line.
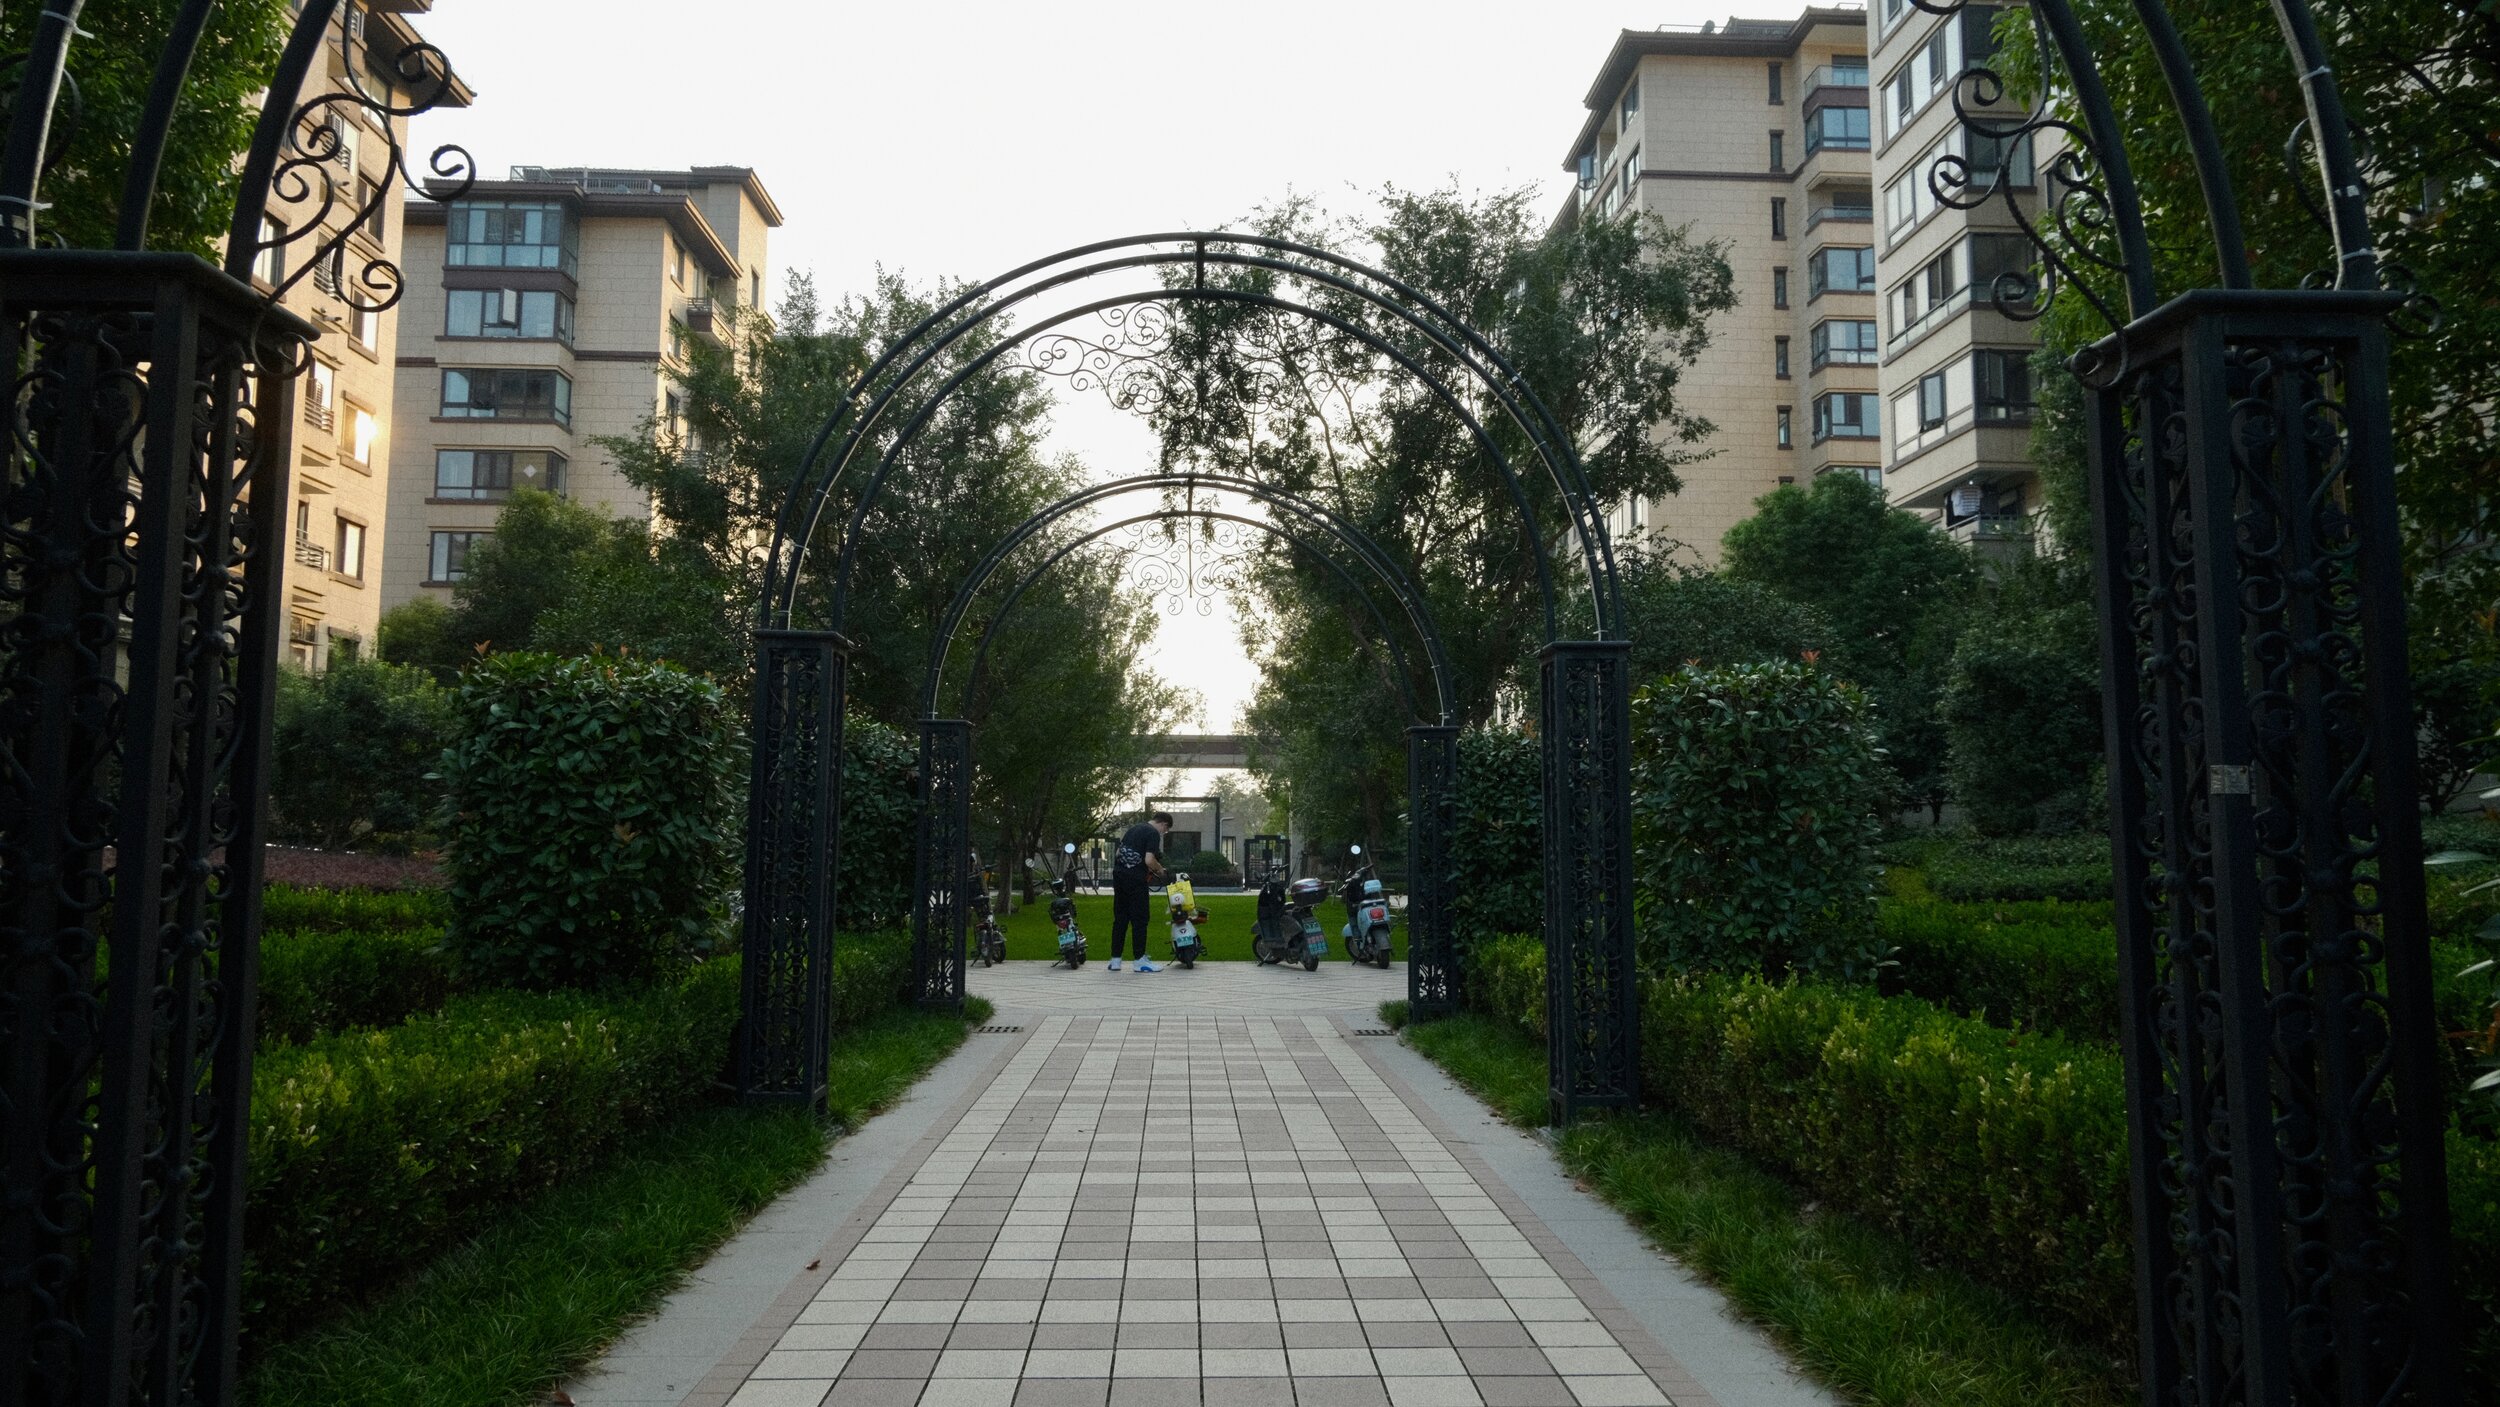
1128 911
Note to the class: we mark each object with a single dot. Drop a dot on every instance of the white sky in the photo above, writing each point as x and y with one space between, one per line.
963 139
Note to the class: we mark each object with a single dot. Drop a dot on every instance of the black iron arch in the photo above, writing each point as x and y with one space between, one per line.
1401 666
1334 524
1517 401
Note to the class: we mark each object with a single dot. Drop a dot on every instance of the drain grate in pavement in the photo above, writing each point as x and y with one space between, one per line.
999 1030
1371 1030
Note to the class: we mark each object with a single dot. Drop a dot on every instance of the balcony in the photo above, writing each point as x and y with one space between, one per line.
1823 76
708 317
320 417
1991 535
309 553
1840 214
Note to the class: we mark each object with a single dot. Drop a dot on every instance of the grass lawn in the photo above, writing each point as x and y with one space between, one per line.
502 1320
1225 935
1849 1303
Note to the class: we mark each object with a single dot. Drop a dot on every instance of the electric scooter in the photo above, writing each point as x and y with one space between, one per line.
1304 896
1284 928
1182 900
1367 932
989 941
1063 909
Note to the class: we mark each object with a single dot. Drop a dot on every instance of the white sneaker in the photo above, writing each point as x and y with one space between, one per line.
1115 964
1147 965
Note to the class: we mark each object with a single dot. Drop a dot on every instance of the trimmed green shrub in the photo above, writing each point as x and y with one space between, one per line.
2022 709
880 825
285 908
2004 1155
591 828
1506 978
1677 615
1204 866
354 752
373 1149
871 973
1497 835
1968 869
316 982
2474 1233
2055 968
1757 801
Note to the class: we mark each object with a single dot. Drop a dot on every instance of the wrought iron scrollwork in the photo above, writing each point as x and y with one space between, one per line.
1435 975
794 799
1592 1007
1187 565
943 874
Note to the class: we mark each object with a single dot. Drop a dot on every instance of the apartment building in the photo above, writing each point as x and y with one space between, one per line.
343 466
548 310
1955 371
1754 133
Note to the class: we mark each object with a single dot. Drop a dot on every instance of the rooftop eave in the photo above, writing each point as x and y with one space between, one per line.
1633 45
402 35
678 209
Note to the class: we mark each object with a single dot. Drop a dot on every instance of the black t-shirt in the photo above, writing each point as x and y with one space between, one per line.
1140 841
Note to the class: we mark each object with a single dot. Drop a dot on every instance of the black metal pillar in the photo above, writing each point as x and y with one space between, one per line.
140 530
943 872
1433 974
1592 1006
2282 1067
794 846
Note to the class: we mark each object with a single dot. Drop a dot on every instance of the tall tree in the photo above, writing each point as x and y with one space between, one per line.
1599 317
110 68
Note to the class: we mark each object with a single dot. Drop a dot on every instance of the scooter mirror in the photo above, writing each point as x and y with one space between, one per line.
1068 849
1357 849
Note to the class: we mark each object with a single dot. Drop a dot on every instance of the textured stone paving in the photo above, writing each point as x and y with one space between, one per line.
1028 987
1229 1210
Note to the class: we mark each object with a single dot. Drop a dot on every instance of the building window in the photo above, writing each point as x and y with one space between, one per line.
321 390
365 325
676 261
1631 175
269 261
1931 400
1840 270
1779 288
755 288
2001 262
1779 151
1628 112
507 312
1992 158
2001 385
485 475
345 649
1844 415
1872 474
448 555
511 234
350 558
1779 218
1837 128
1787 429
369 198
1845 341
358 431
1779 357
1775 85
507 394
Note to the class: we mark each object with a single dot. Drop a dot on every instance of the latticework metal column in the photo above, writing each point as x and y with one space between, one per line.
794 846
1592 1007
943 870
1433 974
140 539
2283 1076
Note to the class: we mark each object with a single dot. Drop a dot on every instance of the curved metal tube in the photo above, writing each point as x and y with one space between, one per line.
277 113
147 145
1519 401
1388 634
1351 536
2347 195
2126 207
920 420
2213 176
30 120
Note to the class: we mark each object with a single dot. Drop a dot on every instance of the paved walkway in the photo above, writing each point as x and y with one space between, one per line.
1188 1188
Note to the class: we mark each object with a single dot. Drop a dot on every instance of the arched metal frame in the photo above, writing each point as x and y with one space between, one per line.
2284 1090
940 921
1585 685
141 530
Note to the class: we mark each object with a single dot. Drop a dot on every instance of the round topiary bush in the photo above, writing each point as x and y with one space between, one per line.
590 819
1757 795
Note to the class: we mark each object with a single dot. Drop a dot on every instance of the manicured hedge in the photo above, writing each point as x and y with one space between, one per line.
373 1150
2474 1227
316 981
1506 978
2002 1154
1967 870
1497 832
287 909
2048 972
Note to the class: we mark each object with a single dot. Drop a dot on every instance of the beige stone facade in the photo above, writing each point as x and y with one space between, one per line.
344 460
546 311
1955 370
1753 133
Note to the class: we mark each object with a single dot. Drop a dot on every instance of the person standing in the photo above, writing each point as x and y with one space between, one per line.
1141 855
